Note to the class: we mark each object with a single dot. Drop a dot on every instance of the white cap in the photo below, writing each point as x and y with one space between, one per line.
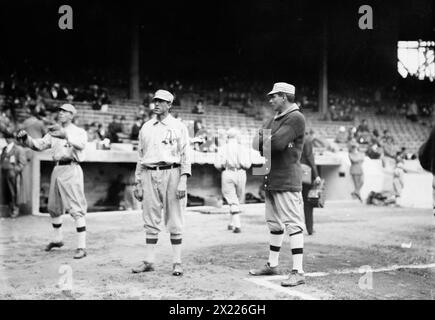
68 107
164 95
283 87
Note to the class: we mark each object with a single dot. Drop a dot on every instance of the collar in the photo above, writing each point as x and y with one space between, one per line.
293 107
165 121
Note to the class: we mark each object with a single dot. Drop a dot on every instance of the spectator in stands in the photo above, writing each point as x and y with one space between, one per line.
333 114
356 170
412 112
374 150
134 135
113 130
92 132
342 135
101 132
386 136
363 127
363 133
199 107
200 135
34 126
6 121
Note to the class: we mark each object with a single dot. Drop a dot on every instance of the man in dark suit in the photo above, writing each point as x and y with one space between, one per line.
307 158
12 161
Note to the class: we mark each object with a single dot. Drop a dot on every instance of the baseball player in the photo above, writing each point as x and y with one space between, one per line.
283 182
67 143
161 174
233 159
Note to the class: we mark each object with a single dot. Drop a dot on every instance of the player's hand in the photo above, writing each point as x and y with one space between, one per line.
317 180
22 135
138 192
57 131
181 189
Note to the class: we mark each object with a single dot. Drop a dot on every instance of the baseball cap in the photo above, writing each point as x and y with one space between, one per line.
164 95
68 107
283 87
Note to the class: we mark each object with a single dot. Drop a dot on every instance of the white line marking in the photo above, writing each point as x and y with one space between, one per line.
349 271
319 295
265 283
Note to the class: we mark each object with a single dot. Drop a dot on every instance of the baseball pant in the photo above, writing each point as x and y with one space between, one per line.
11 189
308 208
160 202
284 211
67 193
358 182
233 188
397 186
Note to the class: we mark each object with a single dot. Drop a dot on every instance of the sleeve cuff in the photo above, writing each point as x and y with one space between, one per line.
186 169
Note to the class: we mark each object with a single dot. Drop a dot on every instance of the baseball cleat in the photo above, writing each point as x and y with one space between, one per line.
237 230
144 267
80 253
230 227
52 245
177 270
267 270
294 279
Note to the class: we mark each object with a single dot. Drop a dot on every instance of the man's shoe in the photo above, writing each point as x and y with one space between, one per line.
15 212
177 270
230 227
237 230
144 267
52 245
80 253
267 270
294 279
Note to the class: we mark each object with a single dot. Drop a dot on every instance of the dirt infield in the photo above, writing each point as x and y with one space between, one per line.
348 236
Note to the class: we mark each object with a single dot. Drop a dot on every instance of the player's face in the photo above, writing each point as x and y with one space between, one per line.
65 116
276 101
161 106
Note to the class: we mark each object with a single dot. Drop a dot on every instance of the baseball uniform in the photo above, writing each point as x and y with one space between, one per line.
66 193
163 158
234 159
283 182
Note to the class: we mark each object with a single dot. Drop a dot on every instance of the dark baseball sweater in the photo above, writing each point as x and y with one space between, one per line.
426 153
286 143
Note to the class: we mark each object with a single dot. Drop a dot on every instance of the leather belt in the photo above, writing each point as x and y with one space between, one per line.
170 166
233 169
65 162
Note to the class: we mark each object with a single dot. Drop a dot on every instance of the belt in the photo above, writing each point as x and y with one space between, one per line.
233 169
169 166
65 162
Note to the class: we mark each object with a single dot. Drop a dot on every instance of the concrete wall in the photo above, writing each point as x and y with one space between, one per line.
105 166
